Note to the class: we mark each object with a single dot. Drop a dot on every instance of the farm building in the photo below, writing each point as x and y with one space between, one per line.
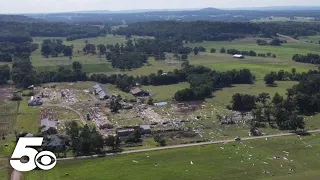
139 92
101 92
239 56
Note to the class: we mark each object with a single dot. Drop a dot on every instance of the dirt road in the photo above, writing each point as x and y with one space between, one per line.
15 175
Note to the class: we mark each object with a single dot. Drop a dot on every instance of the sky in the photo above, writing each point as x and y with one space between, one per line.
36 6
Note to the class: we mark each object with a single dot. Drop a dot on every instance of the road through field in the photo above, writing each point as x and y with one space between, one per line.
186 145
17 175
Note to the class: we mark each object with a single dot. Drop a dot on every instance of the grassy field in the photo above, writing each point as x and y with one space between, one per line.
165 93
248 160
28 119
258 65
91 63
314 39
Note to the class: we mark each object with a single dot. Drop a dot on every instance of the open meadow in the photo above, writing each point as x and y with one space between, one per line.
270 159
259 66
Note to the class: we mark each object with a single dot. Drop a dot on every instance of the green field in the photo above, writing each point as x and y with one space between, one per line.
165 93
28 118
314 39
91 63
244 161
258 65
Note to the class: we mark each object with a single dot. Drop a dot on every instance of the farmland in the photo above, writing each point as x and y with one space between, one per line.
190 122
272 159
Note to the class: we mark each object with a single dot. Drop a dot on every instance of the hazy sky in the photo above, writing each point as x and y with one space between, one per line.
33 6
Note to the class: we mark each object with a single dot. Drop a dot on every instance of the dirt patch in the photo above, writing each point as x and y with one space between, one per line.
188 107
6 92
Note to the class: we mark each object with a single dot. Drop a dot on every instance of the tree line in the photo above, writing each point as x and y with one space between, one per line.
309 58
199 31
246 53
282 75
22 32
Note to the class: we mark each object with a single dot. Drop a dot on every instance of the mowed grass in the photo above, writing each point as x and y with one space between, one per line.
28 119
259 66
243 161
165 93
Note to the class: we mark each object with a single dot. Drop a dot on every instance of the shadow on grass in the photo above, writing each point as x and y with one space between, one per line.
272 85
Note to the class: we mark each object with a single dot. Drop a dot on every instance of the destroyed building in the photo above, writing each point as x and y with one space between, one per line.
139 92
101 92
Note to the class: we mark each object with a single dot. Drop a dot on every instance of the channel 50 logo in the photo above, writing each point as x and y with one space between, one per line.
44 160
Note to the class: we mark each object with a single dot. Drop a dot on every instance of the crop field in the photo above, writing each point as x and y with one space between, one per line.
270 159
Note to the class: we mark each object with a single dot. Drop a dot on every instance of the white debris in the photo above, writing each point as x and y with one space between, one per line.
265 163
135 161
222 148
191 162
286 152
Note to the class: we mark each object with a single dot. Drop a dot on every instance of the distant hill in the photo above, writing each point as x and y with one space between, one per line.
281 8
17 18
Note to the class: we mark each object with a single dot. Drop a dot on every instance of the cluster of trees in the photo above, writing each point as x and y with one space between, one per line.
23 74
91 49
84 140
246 53
204 80
133 54
273 42
309 58
280 111
55 47
10 47
282 75
5 74
306 94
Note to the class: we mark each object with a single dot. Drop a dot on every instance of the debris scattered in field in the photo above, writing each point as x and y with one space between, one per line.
191 162
135 161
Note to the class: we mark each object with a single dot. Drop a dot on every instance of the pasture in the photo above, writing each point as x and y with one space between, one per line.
259 66
91 63
270 159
